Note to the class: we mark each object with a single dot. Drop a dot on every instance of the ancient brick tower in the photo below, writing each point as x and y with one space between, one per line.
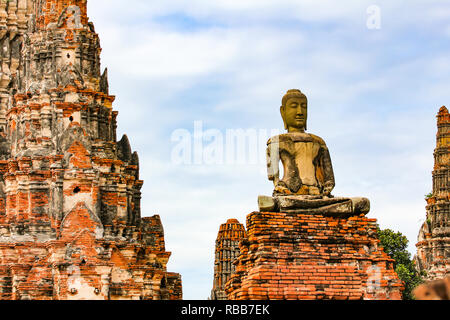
230 235
70 220
433 247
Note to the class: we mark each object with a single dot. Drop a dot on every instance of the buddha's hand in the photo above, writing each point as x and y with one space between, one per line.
327 190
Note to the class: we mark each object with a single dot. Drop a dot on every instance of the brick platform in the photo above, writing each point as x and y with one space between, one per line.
292 256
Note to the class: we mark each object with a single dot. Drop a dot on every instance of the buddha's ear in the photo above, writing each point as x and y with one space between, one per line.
306 120
282 116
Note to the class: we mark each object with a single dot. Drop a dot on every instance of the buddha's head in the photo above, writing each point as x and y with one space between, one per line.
294 110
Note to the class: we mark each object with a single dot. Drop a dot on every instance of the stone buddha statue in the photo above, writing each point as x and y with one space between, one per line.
308 172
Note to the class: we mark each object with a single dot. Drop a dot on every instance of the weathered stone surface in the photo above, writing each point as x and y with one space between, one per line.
433 246
227 250
306 164
339 207
308 178
268 204
70 217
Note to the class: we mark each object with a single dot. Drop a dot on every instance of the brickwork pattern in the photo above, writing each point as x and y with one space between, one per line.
227 250
310 257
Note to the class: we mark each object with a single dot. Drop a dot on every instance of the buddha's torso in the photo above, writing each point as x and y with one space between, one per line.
299 153
304 154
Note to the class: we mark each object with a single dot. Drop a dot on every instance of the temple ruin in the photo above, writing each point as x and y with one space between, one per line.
433 246
70 216
227 249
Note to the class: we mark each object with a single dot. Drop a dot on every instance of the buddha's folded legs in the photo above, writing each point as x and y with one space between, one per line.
315 205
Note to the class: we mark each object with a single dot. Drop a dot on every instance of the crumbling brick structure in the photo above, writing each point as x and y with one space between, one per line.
227 250
433 246
310 257
70 216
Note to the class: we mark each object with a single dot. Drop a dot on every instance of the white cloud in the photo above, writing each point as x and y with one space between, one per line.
373 97
162 53
308 10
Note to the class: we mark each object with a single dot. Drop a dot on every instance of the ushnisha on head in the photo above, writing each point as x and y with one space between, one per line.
294 111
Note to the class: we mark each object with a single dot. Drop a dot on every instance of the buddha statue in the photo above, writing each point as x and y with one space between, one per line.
308 178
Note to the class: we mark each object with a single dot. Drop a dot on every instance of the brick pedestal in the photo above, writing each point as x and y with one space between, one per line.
292 256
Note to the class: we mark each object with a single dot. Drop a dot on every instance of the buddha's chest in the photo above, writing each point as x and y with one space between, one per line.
303 155
304 152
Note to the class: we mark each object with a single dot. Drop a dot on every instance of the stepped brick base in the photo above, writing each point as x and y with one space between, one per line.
81 266
296 256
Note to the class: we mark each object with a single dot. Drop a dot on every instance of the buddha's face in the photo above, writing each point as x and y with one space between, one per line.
295 114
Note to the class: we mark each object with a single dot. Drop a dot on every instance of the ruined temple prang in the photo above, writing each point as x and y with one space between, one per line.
433 241
69 191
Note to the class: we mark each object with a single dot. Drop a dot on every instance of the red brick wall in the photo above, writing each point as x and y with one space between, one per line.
294 256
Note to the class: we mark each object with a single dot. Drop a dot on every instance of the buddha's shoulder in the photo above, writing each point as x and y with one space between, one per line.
296 137
317 139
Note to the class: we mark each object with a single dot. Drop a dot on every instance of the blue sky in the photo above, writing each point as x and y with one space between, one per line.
373 96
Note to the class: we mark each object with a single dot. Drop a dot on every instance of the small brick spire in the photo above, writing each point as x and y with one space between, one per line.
230 235
443 115
443 124
443 110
